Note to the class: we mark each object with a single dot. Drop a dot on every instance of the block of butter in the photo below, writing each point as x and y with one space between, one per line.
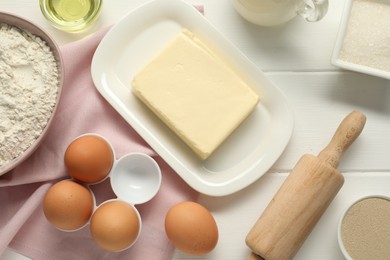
194 93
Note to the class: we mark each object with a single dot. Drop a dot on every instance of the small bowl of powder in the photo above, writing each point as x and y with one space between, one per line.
31 79
364 229
363 41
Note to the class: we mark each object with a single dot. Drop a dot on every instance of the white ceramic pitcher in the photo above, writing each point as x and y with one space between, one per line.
274 12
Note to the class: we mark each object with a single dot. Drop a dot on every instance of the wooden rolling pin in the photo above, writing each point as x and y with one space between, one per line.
303 198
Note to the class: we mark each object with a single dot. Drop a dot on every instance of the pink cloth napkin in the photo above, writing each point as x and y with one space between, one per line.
82 109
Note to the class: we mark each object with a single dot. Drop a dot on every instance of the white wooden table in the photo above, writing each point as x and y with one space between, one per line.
296 57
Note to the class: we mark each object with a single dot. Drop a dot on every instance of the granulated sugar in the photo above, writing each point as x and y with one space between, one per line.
28 90
367 37
366 229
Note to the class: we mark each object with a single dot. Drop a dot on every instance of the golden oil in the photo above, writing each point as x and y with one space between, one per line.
71 15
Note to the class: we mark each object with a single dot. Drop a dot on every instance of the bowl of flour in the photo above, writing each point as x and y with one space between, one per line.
31 79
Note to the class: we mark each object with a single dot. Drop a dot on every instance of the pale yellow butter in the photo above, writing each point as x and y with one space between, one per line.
195 93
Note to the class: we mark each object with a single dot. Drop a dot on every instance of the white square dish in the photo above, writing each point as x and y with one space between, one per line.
247 154
362 42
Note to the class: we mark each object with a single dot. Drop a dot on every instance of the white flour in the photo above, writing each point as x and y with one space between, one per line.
367 38
28 90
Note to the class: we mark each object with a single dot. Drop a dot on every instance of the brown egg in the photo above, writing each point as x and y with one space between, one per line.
115 225
89 158
68 205
191 228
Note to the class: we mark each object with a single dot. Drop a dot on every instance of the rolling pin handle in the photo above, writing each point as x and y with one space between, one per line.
349 129
253 256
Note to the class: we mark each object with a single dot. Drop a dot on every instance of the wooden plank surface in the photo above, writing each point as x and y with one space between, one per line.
321 100
296 57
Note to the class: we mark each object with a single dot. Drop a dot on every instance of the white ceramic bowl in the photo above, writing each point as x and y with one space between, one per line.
26 25
136 178
364 45
340 224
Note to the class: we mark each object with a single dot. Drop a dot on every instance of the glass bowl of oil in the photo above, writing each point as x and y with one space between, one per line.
71 15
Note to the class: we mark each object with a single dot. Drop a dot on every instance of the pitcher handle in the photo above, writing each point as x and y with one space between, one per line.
314 10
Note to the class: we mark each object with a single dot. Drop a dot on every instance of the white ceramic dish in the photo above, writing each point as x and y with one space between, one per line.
247 154
340 224
337 61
